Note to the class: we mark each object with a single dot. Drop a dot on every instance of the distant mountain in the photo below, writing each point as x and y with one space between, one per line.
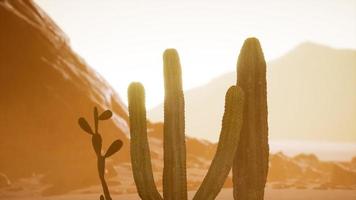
311 95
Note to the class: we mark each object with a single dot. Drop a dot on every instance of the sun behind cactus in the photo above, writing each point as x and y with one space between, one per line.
97 145
174 172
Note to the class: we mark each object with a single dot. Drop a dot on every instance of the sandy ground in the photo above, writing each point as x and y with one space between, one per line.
226 194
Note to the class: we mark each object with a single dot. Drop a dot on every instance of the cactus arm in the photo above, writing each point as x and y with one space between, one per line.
228 142
174 171
251 159
140 152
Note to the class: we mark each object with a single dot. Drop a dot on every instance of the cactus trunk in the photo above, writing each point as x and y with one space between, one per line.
101 171
140 152
228 142
174 172
251 160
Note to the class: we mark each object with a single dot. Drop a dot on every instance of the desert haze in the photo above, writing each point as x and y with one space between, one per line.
46 87
311 96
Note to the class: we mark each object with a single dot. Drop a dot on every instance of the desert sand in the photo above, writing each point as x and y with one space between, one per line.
226 194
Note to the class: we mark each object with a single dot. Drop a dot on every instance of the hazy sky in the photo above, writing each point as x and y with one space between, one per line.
124 40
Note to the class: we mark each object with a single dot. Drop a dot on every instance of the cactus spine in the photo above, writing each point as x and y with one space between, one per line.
140 150
228 142
174 174
251 160
97 146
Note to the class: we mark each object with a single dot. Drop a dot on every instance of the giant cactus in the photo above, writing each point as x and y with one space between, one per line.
174 175
174 171
139 148
228 142
97 146
251 161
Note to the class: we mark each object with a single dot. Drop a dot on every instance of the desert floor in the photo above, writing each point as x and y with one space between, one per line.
226 194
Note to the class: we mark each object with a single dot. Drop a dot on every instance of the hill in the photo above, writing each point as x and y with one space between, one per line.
45 88
311 96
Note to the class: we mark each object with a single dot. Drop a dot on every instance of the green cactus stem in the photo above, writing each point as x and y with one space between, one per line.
243 141
251 161
139 148
228 142
174 171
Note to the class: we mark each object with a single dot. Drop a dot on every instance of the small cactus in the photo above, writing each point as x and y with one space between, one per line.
97 146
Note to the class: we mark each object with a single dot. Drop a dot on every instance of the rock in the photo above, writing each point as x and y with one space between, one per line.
341 176
283 168
309 159
4 181
47 87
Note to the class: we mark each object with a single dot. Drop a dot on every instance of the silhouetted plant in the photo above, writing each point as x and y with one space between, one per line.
97 146
251 161
174 172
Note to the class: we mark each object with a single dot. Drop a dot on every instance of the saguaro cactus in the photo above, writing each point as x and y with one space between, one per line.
139 148
174 171
251 161
228 142
174 175
97 146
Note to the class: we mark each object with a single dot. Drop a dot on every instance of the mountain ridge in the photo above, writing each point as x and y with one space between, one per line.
315 70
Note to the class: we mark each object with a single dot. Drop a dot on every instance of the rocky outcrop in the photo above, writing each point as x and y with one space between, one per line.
306 170
341 175
4 181
46 87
